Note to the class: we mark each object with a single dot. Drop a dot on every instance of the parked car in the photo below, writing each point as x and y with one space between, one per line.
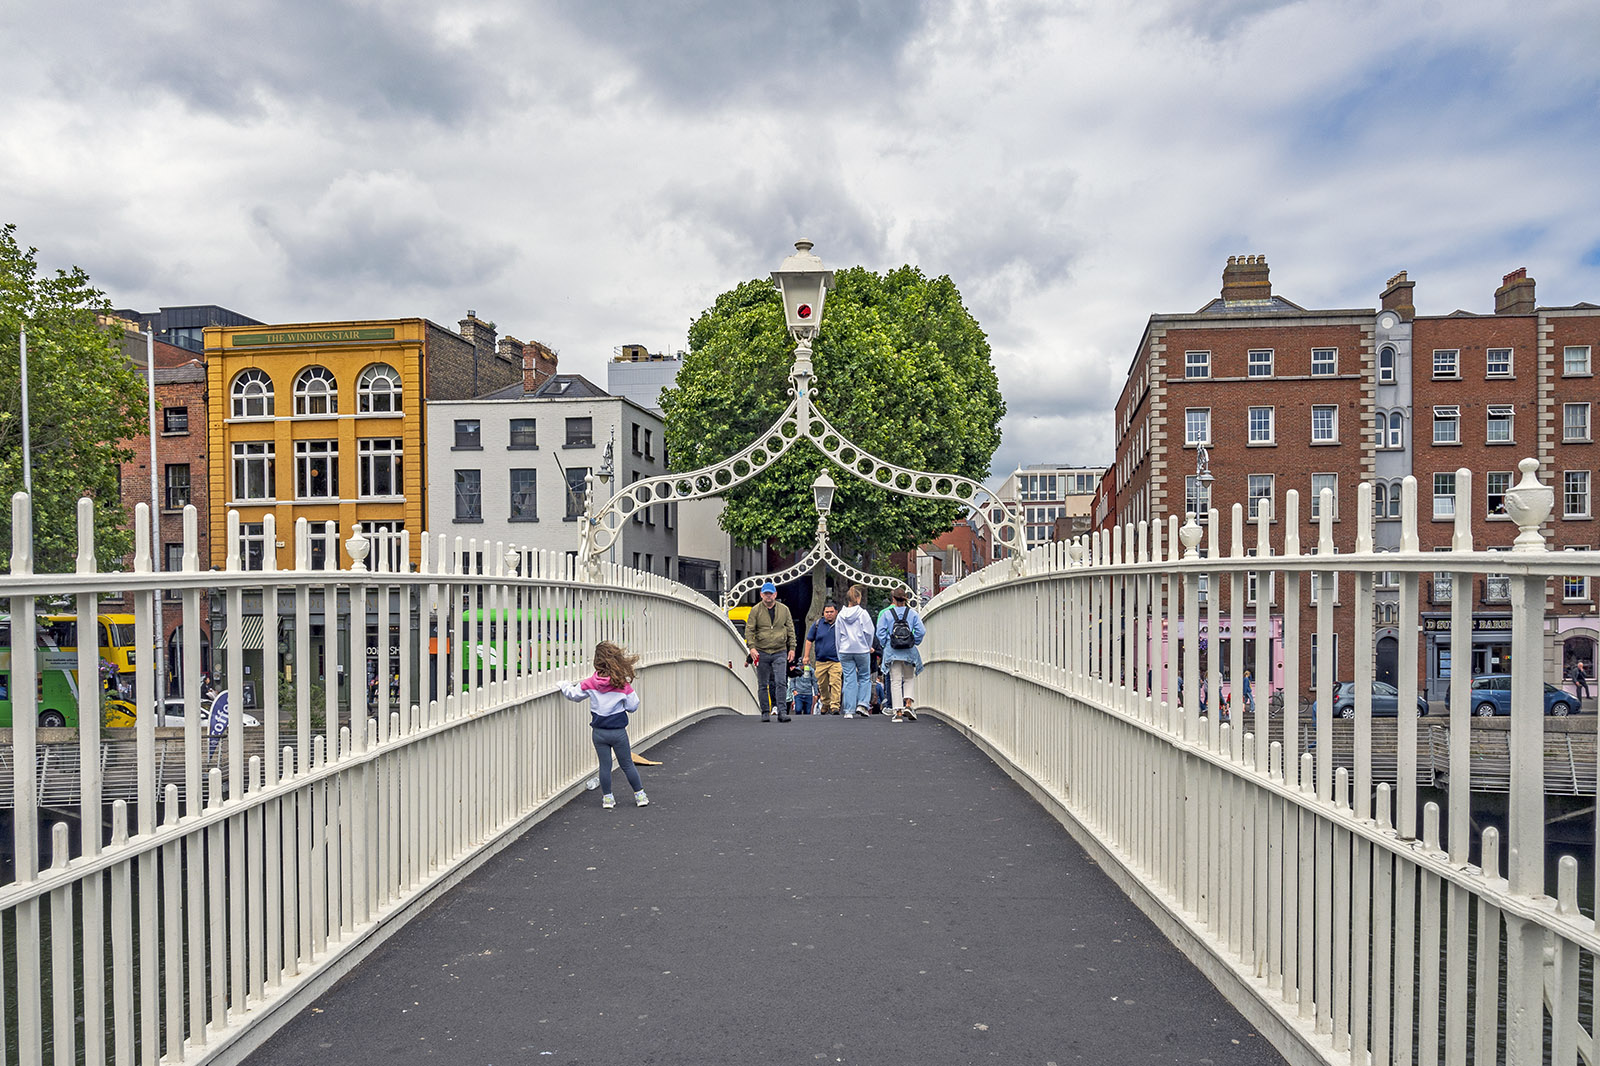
1491 694
1385 700
172 714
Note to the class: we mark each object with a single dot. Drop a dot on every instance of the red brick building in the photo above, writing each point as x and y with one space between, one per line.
1265 396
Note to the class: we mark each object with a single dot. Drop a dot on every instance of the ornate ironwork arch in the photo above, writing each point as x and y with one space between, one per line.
820 551
799 421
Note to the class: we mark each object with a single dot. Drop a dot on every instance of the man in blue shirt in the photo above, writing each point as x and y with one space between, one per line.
822 650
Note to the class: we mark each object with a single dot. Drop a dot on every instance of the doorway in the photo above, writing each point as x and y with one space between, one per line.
1388 659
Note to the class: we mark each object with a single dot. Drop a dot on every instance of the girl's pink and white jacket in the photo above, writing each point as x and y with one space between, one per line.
609 706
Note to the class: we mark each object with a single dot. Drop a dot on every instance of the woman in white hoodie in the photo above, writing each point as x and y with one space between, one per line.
854 630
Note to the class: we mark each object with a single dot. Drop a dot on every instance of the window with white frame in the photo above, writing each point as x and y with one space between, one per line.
1575 360
1446 362
1575 587
1495 484
1252 580
1324 361
1197 495
1197 425
1196 364
1318 483
1316 659
1397 430
1574 421
1381 430
1442 586
324 544
1260 486
380 466
384 538
1444 495
1500 416
1316 587
1575 494
1498 362
1396 495
378 390
316 392
1324 424
1380 500
1260 425
1260 365
316 469
1386 363
252 545
254 470
1447 425
252 394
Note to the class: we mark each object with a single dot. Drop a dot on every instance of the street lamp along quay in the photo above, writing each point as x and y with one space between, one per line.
804 283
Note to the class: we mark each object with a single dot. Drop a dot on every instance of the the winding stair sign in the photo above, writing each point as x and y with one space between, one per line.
804 283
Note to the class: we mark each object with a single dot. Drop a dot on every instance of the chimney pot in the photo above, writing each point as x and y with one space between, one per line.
1515 296
1246 278
1397 297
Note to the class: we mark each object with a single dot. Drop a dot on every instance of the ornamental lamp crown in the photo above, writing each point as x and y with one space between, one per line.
804 283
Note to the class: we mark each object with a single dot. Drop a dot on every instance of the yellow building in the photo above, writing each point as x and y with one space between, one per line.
324 421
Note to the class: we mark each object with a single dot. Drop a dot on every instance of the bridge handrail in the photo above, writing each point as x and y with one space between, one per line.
1292 878
296 859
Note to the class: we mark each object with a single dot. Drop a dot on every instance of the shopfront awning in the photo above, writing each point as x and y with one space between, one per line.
254 634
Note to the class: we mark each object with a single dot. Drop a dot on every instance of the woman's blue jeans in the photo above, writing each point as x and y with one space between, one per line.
857 688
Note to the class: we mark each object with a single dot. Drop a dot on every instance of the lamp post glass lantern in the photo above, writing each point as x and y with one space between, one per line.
822 489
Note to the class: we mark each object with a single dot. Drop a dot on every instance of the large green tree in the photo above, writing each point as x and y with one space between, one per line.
904 371
83 399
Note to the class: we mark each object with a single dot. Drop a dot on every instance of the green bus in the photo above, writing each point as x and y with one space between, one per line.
55 687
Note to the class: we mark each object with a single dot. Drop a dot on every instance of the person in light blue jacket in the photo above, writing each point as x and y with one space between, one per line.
900 630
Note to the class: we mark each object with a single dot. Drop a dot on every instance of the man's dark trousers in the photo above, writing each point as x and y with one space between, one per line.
772 678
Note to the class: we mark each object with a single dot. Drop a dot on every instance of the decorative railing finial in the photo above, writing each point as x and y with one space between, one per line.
1529 504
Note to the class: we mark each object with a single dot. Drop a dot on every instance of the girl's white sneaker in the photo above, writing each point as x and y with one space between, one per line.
608 801
640 799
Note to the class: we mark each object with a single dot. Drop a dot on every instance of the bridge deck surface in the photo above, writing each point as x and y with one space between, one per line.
829 890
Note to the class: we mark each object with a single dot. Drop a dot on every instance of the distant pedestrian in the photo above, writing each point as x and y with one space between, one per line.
822 651
803 691
854 632
900 630
769 631
609 691
1580 679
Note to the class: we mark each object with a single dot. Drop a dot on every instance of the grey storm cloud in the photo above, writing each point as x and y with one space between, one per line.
384 228
704 52
237 58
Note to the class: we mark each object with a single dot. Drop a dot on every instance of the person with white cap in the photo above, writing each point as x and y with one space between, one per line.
769 632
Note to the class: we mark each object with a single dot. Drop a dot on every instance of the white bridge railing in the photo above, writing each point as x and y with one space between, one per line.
1331 911
183 925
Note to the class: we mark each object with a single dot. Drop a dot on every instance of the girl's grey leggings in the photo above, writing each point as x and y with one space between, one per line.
607 741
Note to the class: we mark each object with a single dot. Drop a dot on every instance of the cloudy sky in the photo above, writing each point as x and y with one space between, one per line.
591 174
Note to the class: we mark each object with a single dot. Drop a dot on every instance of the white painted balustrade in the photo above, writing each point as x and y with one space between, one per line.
238 887
1322 905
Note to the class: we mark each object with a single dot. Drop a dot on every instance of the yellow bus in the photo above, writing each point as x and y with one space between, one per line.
115 635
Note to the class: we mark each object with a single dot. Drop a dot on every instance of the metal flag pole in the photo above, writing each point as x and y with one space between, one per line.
27 447
158 610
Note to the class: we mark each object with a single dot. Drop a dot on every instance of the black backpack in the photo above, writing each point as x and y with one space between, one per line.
901 637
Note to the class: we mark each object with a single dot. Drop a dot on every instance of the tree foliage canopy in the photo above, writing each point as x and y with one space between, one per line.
83 399
903 370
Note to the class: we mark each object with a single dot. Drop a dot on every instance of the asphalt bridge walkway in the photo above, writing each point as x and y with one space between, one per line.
823 891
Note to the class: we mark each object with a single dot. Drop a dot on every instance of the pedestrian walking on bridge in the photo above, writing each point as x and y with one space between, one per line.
769 631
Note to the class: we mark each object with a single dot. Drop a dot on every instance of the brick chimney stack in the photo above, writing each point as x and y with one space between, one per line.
1515 294
1397 297
1245 279
538 365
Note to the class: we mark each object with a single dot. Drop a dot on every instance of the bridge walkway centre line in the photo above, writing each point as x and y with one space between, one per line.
827 890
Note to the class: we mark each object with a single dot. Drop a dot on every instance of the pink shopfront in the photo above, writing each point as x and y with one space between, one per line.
1173 638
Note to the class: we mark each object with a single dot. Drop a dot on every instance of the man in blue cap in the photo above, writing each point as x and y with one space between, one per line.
769 632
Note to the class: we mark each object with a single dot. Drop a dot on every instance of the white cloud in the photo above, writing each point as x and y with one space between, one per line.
593 177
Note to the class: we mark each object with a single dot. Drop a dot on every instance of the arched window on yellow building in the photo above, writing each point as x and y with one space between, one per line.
378 390
252 394
316 392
